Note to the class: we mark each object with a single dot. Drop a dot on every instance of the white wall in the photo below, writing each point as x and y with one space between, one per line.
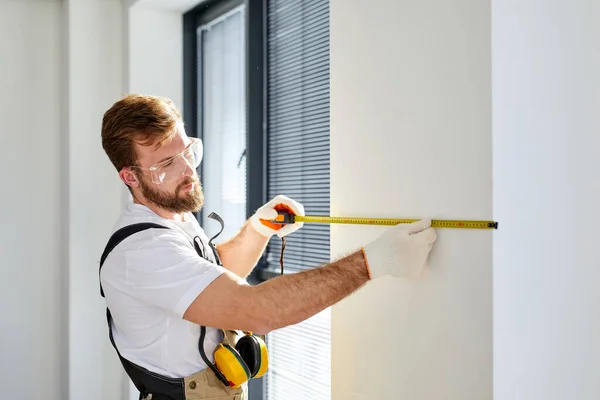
61 67
546 194
32 286
94 62
156 52
411 137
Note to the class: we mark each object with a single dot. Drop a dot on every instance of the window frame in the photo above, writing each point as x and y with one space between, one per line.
256 171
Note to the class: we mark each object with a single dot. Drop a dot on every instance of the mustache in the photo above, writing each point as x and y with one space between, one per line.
187 182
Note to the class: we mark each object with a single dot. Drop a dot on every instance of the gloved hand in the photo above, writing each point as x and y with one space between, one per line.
401 251
260 219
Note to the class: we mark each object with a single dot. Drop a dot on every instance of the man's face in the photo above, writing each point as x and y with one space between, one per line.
180 195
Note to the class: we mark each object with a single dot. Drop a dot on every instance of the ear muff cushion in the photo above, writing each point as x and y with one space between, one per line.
231 365
249 348
264 358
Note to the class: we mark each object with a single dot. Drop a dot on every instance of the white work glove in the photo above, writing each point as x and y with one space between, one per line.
401 251
268 212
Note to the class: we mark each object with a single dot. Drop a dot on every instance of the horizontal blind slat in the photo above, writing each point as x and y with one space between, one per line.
288 37
307 50
307 65
279 10
297 95
295 73
301 131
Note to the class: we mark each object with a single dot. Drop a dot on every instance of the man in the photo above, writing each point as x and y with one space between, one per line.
172 299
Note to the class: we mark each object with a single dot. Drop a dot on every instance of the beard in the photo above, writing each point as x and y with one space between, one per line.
191 201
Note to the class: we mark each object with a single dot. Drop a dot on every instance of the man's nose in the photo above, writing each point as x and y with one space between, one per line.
189 170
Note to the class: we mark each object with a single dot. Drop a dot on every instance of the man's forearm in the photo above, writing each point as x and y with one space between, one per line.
241 253
290 299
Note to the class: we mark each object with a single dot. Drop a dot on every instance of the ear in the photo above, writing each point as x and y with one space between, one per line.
128 177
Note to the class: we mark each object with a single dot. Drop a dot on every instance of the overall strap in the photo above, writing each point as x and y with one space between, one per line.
144 380
121 235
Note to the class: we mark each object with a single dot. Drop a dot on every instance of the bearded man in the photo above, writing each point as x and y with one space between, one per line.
181 316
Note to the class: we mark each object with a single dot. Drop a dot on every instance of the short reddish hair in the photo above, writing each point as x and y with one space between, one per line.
135 119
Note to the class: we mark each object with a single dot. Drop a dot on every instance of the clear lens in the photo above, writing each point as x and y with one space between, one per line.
175 167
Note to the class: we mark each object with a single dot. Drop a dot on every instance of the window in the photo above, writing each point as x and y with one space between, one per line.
298 166
257 92
221 121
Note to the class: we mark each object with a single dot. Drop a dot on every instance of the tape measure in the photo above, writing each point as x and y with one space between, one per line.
288 218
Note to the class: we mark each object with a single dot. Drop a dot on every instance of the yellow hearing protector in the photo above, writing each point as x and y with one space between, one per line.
238 358
249 358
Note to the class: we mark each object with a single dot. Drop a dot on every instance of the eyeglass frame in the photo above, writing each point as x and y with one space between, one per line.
194 142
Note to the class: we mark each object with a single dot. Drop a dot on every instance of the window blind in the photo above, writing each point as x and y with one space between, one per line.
222 120
298 166
298 123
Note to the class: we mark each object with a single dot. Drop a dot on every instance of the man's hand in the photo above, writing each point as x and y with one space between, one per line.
261 219
401 251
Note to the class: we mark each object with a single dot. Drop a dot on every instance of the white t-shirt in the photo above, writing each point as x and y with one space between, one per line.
149 280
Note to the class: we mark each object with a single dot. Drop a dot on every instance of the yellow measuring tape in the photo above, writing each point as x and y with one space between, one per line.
287 218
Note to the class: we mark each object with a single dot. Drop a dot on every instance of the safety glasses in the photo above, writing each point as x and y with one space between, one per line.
174 167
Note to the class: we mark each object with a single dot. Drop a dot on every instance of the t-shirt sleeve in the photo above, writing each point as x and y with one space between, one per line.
166 271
